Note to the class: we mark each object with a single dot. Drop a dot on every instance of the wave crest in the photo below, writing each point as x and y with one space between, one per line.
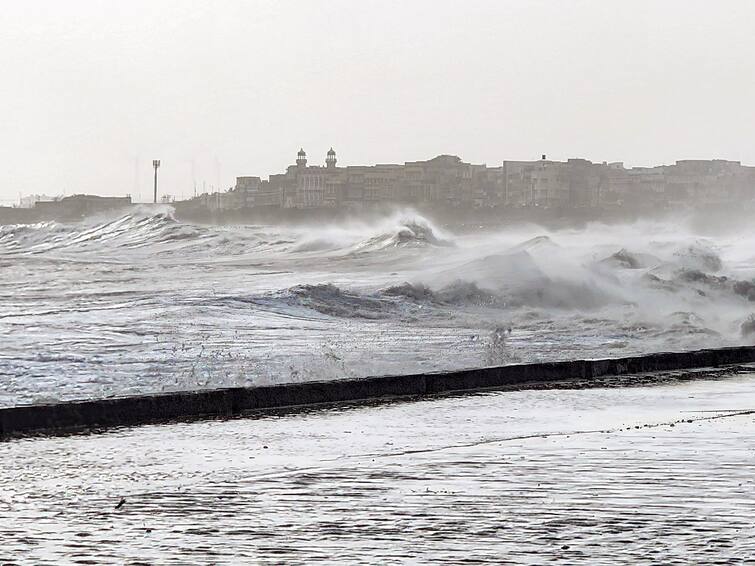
412 232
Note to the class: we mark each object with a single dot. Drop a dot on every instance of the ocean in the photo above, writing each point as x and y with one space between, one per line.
140 302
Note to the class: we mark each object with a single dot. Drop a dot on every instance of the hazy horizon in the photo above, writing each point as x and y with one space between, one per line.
93 91
426 364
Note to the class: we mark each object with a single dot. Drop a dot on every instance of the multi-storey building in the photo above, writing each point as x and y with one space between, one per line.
647 186
447 181
246 193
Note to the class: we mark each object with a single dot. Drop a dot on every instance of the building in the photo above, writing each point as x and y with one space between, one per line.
703 181
31 200
246 192
647 187
447 182
78 206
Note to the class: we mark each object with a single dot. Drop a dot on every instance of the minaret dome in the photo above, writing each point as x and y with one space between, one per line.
301 158
330 160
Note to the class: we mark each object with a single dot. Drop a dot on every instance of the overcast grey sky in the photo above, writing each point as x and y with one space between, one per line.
92 91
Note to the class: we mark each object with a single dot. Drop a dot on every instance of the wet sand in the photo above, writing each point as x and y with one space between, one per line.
639 475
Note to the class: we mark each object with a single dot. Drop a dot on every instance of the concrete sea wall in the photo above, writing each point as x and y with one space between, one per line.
130 411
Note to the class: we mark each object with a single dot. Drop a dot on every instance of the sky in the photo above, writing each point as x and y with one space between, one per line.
92 91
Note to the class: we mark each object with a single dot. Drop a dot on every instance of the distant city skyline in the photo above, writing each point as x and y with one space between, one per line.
203 187
445 184
94 91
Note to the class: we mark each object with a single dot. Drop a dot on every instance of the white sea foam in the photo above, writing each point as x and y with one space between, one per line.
143 302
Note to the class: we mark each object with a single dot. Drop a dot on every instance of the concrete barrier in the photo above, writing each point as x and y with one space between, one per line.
129 411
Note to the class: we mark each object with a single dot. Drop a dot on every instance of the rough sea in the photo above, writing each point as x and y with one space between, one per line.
140 302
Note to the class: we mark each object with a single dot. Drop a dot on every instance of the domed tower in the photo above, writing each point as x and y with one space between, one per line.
301 158
330 160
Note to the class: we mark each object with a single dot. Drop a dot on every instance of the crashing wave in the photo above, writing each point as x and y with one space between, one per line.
745 289
499 271
536 243
698 256
416 232
315 245
629 260
130 230
747 328
158 233
564 294
705 283
330 300
517 280
413 291
393 301
457 293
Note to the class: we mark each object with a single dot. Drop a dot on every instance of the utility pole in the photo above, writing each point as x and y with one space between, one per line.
156 165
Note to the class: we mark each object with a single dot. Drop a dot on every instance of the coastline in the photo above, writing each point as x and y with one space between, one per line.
101 414
462 219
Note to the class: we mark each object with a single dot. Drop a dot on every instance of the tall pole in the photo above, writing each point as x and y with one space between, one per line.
156 165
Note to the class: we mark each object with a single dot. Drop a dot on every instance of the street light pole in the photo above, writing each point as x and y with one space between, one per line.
156 165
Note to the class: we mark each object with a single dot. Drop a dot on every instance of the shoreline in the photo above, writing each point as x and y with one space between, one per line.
464 219
101 414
